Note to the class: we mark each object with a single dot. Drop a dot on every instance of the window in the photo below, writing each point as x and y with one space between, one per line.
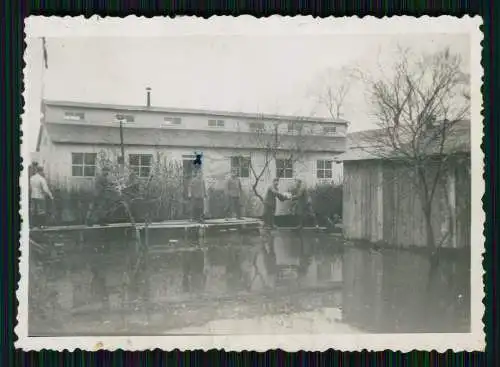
83 164
329 130
257 126
125 118
216 123
75 116
141 164
324 169
284 168
293 128
241 165
172 120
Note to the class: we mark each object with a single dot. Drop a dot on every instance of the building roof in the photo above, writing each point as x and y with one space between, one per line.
365 145
189 111
100 134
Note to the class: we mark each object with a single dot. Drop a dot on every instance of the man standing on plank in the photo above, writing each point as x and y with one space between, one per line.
39 190
234 191
197 194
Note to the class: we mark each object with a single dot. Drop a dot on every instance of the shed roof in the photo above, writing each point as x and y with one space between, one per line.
363 145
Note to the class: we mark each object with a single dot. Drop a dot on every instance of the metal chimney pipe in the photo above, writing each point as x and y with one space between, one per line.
148 97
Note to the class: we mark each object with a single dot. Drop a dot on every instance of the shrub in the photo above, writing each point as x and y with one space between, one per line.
326 200
163 196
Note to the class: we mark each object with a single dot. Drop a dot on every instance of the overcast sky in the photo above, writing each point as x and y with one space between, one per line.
264 74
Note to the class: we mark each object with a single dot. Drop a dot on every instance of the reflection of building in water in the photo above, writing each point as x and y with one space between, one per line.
330 269
323 270
215 270
166 281
82 290
193 268
64 291
287 247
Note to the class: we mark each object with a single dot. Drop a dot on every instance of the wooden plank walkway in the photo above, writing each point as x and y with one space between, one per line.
172 224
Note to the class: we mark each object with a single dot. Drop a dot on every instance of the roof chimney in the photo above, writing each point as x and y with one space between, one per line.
148 97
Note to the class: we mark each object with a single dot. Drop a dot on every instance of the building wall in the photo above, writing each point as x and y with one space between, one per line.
56 159
381 203
188 121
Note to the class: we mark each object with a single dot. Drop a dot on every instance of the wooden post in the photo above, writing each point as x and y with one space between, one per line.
146 234
379 212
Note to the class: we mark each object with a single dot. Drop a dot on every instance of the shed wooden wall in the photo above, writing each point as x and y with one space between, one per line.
361 201
381 203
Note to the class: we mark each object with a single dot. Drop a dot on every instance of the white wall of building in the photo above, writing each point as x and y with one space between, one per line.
57 161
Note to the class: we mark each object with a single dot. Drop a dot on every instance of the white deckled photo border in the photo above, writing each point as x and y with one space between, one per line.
132 26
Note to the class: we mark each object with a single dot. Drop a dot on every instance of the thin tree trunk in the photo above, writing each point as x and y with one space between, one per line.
429 231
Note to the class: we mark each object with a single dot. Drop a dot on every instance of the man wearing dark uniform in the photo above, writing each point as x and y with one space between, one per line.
197 193
104 199
234 192
302 204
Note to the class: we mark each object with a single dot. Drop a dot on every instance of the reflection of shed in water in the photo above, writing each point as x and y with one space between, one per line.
395 291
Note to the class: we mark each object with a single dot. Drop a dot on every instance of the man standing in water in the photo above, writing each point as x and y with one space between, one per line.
270 203
39 190
234 191
197 194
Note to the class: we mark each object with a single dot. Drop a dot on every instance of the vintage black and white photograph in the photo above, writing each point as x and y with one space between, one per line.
297 182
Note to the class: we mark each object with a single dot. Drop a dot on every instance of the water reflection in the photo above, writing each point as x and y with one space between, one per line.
183 283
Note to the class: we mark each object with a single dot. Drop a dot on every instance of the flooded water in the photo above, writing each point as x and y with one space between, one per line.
273 282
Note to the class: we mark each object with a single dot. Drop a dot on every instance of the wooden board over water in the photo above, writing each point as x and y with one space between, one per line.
172 224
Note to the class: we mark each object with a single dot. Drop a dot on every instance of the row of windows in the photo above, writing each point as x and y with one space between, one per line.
84 165
254 126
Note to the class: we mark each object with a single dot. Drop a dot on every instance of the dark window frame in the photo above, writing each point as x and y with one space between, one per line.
241 165
216 123
74 115
329 130
284 168
87 164
141 168
172 121
324 168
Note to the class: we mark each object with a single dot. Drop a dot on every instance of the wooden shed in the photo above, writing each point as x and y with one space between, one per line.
381 203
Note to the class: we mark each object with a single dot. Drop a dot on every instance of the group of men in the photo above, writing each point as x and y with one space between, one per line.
302 206
299 196
105 198
197 194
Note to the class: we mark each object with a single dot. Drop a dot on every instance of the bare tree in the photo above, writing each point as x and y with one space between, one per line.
418 108
332 89
279 139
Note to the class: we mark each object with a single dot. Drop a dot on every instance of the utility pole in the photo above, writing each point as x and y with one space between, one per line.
121 160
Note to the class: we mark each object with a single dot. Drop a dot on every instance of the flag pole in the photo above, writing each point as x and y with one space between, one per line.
44 67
